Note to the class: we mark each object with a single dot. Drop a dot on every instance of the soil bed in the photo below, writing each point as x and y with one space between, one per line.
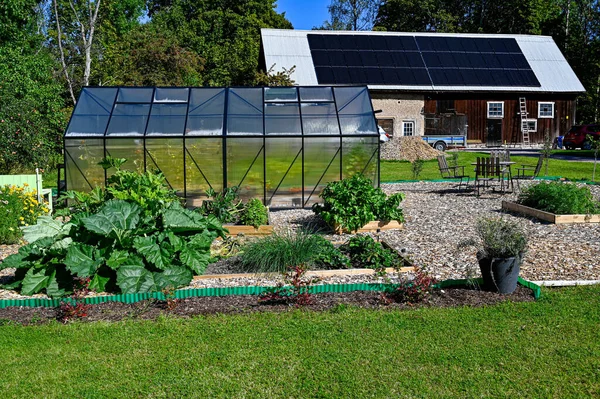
151 309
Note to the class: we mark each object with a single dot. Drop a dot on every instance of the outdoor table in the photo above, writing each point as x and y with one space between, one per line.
508 164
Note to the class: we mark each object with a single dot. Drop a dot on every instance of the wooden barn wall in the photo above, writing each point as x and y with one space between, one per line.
475 107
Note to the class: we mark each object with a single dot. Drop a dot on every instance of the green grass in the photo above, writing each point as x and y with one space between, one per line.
546 349
575 153
401 170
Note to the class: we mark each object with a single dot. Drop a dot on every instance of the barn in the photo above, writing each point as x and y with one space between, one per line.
494 88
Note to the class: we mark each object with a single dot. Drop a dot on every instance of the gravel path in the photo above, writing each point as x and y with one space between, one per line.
438 218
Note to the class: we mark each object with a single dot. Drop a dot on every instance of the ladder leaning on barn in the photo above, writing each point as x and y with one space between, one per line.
524 124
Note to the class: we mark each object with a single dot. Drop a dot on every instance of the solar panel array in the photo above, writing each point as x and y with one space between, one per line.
419 61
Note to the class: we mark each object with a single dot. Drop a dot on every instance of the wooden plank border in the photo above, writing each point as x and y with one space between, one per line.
263 230
375 226
313 273
547 216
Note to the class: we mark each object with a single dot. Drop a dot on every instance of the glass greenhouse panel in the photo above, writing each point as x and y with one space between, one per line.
135 95
282 118
284 172
321 165
279 144
204 168
92 112
128 120
355 110
245 112
320 118
360 155
166 155
316 94
245 166
206 112
81 164
171 95
280 94
130 149
167 119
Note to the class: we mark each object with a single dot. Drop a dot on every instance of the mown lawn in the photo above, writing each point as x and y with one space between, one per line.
550 348
401 170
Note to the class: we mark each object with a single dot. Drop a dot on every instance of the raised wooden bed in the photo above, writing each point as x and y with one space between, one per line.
312 273
375 226
547 216
263 230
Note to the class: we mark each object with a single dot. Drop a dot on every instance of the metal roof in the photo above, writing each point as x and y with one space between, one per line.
286 48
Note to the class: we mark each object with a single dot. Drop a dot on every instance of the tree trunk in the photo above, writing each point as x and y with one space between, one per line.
62 53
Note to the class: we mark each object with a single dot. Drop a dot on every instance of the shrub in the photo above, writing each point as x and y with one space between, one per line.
500 238
132 245
254 213
280 251
416 167
365 252
351 203
295 289
18 208
560 198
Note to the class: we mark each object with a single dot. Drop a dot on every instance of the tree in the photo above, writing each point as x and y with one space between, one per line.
351 15
150 57
226 33
272 78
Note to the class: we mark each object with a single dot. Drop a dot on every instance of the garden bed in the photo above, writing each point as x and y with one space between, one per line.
187 307
547 216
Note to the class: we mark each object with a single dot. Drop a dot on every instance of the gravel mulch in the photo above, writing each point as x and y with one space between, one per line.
150 310
438 218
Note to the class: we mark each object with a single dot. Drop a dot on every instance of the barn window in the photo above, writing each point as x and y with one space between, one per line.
545 110
531 125
495 109
408 128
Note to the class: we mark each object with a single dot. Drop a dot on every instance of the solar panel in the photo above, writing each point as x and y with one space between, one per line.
419 60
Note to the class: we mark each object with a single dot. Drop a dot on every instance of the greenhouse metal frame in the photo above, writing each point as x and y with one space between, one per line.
279 144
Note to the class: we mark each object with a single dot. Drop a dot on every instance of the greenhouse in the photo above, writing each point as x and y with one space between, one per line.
279 144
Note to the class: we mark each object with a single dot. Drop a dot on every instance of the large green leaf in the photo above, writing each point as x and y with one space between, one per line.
46 227
179 220
117 258
80 260
98 283
202 241
174 277
197 260
114 218
158 255
53 290
34 281
62 244
135 279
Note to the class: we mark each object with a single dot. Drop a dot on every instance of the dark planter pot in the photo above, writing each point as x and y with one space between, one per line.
500 274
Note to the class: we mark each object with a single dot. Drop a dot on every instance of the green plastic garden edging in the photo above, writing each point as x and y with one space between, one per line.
226 291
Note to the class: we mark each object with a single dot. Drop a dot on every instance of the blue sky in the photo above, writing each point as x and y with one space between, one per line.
304 14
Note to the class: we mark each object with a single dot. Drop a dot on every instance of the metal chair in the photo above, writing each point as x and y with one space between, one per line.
452 172
522 172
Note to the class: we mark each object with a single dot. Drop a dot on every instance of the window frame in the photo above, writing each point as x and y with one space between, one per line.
552 103
529 120
414 127
501 116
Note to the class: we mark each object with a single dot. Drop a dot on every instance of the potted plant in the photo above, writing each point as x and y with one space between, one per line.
502 244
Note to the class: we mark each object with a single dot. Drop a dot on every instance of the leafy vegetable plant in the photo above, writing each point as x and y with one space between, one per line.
351 203
254 213
365 252
129 243
228 208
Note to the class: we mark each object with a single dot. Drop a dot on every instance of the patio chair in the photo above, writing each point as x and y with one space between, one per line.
527 172
452 172
487 170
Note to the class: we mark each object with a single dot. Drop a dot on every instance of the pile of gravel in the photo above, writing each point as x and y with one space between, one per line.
408 149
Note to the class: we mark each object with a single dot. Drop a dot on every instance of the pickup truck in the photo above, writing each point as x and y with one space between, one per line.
440 143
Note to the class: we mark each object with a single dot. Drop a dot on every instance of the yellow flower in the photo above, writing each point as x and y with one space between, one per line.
31 210
21 218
